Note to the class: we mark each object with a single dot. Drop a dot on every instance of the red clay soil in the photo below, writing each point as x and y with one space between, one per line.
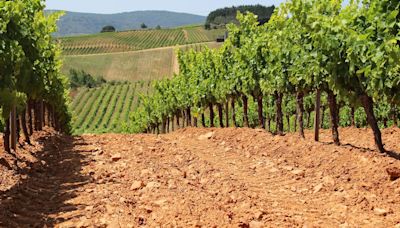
203 178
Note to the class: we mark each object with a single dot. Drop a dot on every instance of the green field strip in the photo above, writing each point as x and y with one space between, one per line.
78 109
78 97
93 109
110 108
119 108
127 106
99 110
86 109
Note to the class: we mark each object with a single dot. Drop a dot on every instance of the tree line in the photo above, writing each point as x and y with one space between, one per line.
33 92
224 16
348 55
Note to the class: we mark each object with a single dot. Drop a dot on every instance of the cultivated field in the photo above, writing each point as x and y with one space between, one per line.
107 108
130 66
136 40
204 178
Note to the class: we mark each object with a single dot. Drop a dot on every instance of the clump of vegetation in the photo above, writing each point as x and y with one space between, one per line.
108 28
143 26
221 17
323 56
84 79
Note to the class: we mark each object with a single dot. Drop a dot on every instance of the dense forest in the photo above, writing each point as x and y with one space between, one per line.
224 16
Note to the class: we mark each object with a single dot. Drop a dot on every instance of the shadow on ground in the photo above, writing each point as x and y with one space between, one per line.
48 185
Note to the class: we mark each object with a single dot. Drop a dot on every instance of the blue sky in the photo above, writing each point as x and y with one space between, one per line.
201 7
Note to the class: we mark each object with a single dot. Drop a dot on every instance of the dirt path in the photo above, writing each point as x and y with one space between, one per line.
206 178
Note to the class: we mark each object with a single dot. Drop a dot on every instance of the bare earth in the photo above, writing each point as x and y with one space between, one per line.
203 178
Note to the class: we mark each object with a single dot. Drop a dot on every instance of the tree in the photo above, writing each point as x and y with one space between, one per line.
108 28
224 16
143 26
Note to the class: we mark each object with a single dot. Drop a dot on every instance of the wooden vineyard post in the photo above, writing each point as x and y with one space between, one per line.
13 127
41 114
317 114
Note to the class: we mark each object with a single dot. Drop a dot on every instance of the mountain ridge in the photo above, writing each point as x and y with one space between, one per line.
77 23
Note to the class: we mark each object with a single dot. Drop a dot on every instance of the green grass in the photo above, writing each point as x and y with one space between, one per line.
105 109
130 66
136 40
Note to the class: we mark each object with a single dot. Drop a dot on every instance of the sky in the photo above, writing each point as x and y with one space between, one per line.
200 7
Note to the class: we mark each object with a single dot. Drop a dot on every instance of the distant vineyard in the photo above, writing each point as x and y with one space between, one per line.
107 108
130 66
136 40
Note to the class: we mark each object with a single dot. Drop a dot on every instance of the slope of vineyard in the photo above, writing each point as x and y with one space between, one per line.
130 66
106 108
136 40
204 178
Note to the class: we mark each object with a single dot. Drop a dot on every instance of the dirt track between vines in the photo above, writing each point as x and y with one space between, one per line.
203 178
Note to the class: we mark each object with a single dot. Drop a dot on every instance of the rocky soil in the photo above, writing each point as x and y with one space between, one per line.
203 178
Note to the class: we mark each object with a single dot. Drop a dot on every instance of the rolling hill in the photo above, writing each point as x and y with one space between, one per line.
73 23
136 40
133 66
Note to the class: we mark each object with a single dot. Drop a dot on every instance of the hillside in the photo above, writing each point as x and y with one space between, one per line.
74 23
136 40
107 108
203 178
129 66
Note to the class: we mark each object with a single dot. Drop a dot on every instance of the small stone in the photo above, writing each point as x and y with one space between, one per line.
116 157
227 149
394 173
204 181
328 181
110 209
153 184
136 185
144 172
318 188
114 224
171 184
256 224
288 168
298 172
273 170
104 221
248 154
84 222
259 215
161 202
206 136
380 211
89 208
